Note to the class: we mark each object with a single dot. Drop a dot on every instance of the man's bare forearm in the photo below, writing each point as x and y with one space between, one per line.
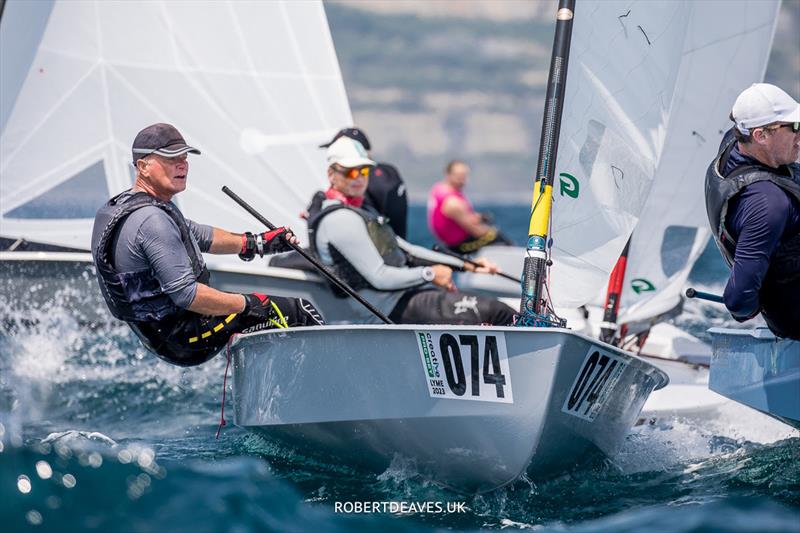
226 242
209 301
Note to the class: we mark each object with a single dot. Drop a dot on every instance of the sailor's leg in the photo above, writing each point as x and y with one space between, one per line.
298 312
473 244
781 308
280 312
437 306
493 311
191 340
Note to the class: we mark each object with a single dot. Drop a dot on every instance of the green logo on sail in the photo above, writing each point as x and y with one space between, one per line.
640 285
569 185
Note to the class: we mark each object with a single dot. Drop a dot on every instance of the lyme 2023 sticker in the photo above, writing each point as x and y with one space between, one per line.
466 366
599 373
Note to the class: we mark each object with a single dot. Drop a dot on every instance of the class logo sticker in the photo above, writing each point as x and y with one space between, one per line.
598 376
569 185
468 366
640 285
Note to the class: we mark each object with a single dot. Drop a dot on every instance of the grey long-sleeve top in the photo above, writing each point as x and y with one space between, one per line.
347 232
150 239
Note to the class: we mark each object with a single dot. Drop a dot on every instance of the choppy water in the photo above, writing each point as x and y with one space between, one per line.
98 435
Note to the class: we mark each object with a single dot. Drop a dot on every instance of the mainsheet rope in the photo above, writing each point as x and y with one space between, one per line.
282 324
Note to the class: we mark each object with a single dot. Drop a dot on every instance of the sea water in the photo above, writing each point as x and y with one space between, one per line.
98 435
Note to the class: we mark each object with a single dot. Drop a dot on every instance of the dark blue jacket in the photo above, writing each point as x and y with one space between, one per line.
754 211
760 218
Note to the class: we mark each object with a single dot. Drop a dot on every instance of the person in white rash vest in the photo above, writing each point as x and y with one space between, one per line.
410 284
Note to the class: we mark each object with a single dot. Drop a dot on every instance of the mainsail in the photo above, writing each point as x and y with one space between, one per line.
725 50
623 73
96 72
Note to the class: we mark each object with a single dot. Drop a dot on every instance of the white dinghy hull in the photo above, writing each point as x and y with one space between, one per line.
539 401
759 370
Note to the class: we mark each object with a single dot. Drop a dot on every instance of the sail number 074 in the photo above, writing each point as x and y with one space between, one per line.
466 366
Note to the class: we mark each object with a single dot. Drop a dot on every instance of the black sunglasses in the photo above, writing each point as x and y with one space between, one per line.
794 125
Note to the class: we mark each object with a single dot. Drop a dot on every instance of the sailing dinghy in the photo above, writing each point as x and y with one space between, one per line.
759 370
477 407
473 407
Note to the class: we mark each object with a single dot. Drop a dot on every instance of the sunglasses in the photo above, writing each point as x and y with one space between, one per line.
353 173
794 125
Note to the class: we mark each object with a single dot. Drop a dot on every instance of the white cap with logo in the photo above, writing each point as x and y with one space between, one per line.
762 104
348 153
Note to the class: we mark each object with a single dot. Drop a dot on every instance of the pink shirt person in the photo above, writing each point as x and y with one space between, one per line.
451 217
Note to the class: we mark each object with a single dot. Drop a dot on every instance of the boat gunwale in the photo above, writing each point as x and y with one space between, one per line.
648 368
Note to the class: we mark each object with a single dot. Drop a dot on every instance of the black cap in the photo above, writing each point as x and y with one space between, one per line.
353 133
160 139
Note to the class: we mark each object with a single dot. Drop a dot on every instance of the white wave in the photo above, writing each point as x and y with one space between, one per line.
733 427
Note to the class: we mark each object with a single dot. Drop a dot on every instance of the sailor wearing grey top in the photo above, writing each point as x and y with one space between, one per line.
150 239
409 283
151 269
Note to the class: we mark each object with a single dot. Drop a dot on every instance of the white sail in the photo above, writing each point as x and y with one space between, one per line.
102 70
623 69
725 50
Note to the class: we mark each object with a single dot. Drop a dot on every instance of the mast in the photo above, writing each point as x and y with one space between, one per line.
608 328
535 309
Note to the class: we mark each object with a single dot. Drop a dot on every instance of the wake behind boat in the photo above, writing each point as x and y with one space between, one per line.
474 407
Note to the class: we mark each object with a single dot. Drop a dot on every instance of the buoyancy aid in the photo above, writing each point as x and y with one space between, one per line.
380 233
785 263
137 297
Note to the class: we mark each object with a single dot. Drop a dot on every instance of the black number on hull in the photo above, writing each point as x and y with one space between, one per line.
594 393
472 342
594 376
495 377
577 390
454 367
451 355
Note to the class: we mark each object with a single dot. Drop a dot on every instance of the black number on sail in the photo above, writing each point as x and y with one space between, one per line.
495 377
451 355
472 342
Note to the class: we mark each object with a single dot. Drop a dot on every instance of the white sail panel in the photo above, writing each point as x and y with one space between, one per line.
623 67
106 69
725 51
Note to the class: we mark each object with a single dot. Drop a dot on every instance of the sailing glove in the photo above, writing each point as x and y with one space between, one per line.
270 242
256 305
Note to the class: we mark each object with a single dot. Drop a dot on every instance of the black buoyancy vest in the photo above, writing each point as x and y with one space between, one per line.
137 296
785 263
381 234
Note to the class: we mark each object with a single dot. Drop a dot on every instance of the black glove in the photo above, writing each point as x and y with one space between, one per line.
270 242
257 305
